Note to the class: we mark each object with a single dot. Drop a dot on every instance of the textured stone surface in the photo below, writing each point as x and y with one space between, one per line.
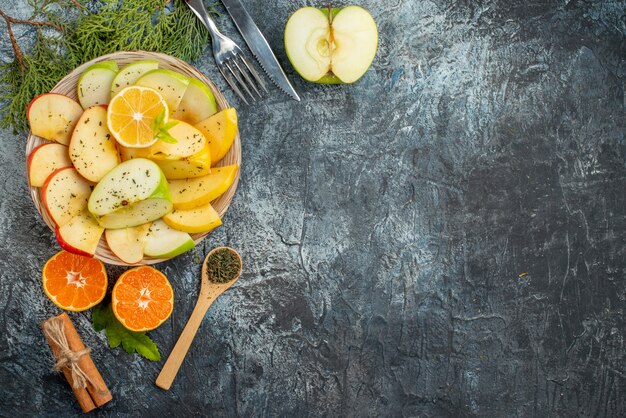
446 237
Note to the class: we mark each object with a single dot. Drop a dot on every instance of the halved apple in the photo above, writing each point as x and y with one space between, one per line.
92 147
80 235
196 165
133 193
129 74
197 104
44 160
336 46
128 243
53 116
94 84
65 194
200 219
170 84
165 242
191 193
220 131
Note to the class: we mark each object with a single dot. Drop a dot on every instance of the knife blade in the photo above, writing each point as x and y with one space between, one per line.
259 46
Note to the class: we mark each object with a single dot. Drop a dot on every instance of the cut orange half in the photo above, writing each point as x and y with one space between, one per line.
74 282
142 298
130 115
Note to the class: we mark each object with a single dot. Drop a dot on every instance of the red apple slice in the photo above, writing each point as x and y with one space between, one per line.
128 243
92 147
53 116
80 235
65 194
44 160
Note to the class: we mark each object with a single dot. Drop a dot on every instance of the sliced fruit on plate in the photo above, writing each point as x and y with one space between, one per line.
142 299
196 165
133 193
92 148
194 192
189 141
94 84
131 114
220 131
128 243
200 219
336 47
44 160
197 104
80 235
170 84
129 74
64 194
166 242
53 116
74 282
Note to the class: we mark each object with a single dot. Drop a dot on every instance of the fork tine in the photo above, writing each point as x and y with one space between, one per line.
247 77
231 83
254 73
239 79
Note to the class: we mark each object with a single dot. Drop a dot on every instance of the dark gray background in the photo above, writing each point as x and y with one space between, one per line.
443 238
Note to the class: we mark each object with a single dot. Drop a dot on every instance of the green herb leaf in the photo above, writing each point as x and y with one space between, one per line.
157 122
132 342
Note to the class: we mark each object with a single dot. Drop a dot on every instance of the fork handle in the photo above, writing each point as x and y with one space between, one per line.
197 7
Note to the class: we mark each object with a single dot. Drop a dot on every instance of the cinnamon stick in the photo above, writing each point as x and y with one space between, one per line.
95 392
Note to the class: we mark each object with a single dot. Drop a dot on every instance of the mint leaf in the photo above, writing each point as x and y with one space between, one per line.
132 342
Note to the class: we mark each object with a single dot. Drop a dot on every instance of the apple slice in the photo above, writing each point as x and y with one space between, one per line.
44 160
336 46
194 192
170 84
129 74
94 84
128 243
165 242
197 104
220 131
200 219
196 165
189 141
80 235
133 193
92 149
53 116
65 194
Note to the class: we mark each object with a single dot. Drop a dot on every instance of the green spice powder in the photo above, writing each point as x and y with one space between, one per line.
222 266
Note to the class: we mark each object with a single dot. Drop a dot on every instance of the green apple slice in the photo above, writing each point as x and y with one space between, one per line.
94 84
197 104
128 243
165 242
330 47
133 193
129 74
170 84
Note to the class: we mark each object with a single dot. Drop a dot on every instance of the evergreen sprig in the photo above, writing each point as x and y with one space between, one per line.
70 32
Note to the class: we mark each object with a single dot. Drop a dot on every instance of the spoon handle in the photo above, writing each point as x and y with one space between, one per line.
176 357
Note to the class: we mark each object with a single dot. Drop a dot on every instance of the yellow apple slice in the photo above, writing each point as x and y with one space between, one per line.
92 147
189 141
53 116
44 160
80 235
128 243
196 165
200 219
220 131
194 192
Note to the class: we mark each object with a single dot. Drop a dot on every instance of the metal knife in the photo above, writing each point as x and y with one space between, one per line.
259 46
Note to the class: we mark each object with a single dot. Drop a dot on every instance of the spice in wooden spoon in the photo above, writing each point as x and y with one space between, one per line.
223 265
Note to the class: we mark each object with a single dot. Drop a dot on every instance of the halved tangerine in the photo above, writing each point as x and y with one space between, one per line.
130 115
142 298
74 282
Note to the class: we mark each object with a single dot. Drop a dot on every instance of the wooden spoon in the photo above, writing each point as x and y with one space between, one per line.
209 291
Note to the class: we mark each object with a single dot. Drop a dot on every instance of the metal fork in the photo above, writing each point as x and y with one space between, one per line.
229 58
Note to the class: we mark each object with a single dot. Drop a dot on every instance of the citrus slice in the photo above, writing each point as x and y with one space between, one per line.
131 113
74 282
142 298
